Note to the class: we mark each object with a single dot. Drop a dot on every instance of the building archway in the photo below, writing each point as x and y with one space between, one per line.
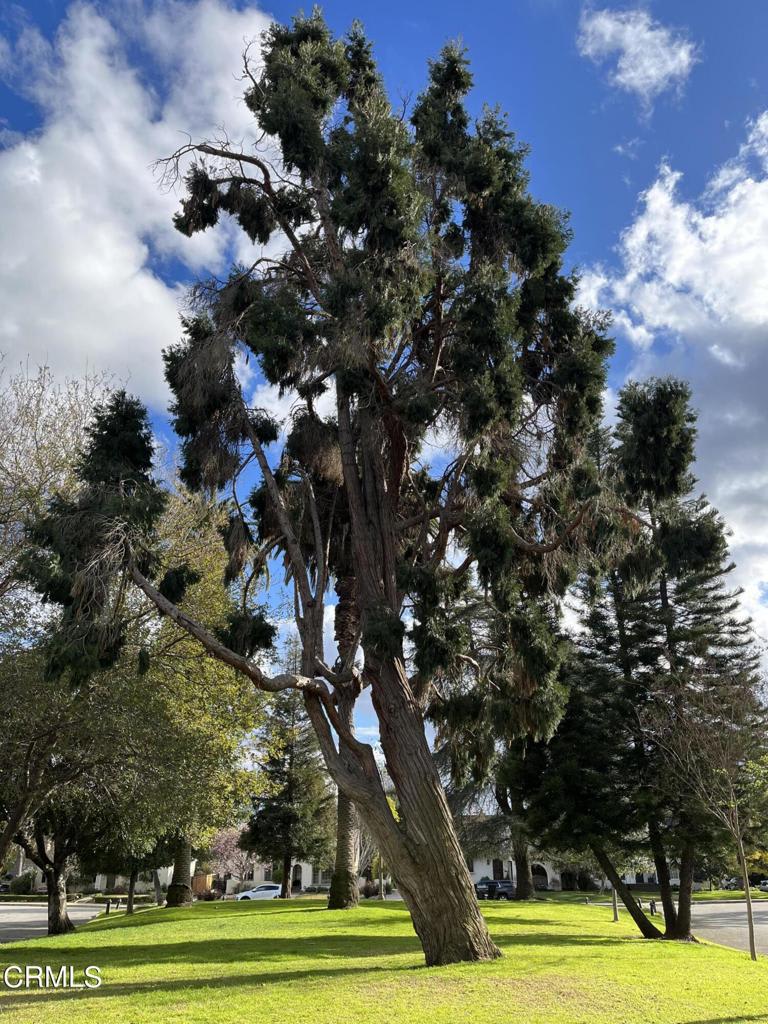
540 876
296 877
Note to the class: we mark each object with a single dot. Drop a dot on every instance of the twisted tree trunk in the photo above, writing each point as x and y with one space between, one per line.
428 862
180 890
59 922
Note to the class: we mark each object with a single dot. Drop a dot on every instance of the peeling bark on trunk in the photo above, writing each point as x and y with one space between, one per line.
428 862
647 929
59 922
180 889
131 890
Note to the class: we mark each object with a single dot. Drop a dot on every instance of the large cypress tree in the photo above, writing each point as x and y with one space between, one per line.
411 277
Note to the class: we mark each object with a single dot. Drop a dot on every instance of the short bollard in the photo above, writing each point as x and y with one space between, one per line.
107 906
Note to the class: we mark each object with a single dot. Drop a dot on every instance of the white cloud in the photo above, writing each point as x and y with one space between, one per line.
691 296
85 225
649 57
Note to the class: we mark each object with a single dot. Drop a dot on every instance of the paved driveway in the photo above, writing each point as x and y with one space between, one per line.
727 923
28 920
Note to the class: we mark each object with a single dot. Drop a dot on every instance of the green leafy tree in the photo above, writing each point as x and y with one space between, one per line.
415 283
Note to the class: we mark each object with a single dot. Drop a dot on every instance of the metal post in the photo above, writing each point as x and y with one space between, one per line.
615 903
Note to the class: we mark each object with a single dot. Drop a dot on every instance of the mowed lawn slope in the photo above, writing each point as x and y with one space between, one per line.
276 963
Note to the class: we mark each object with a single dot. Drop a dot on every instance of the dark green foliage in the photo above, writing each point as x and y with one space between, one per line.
293 817
175 581
456 268
383 632
656 435
660 629
248 632
118 500
120 449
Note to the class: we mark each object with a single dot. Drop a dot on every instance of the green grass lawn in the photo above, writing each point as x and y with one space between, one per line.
297 963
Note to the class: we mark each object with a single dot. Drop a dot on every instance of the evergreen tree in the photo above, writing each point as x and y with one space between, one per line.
420 284
660 628
293 812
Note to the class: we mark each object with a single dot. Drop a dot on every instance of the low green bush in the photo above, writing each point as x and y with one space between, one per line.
22 885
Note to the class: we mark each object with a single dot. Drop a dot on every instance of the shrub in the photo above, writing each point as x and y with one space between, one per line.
23 884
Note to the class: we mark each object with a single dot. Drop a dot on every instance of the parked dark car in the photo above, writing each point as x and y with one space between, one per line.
501 889
481 888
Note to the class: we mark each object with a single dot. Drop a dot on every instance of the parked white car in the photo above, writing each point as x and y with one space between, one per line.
267 891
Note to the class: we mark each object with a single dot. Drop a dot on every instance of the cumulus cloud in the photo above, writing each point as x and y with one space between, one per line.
646 57
690 295
90 264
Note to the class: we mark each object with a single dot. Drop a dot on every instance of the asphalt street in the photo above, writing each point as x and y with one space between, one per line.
28 920
726 923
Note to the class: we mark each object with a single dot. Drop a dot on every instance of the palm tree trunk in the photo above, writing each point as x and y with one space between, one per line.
345 886
180 889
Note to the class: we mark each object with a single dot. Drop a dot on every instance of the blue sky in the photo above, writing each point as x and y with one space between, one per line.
649 122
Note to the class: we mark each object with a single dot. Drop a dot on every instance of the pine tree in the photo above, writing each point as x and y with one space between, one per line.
292 815
660 628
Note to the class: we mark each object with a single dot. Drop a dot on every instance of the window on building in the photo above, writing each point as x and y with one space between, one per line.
267 872
470 864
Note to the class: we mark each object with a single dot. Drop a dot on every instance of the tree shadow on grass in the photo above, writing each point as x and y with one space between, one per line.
730 1020
250 949
126 989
